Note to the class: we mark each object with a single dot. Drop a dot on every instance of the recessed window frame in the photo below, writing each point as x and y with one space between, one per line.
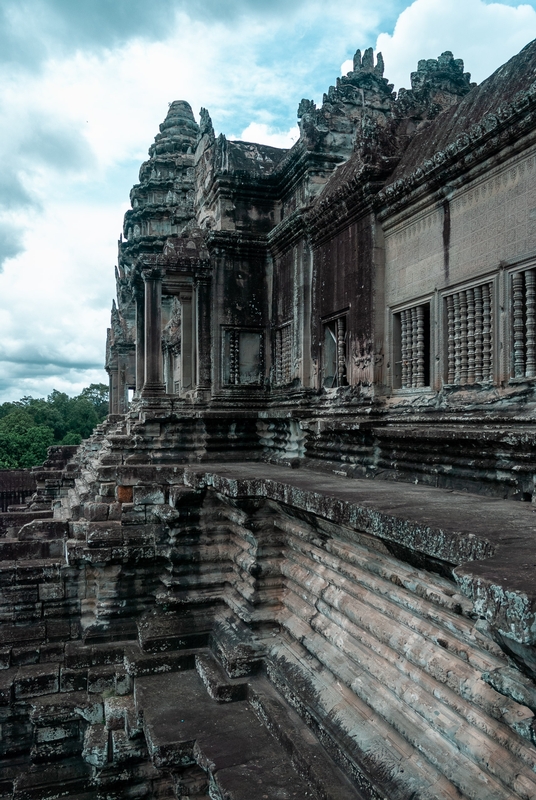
331 326
228 362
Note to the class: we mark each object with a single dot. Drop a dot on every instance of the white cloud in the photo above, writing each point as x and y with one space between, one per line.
261 133
56 297
76 125
484 35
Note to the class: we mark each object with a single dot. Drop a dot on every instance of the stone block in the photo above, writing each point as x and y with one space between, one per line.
148 494
37 571
180 495
124 494
125 749
73 680
24 655
61 608
100 679
15 634
36 680
51 591
107 489
95 751
5 657
55 733
6 684
57 629
78 530
17 595
123 683
104 536
132 514
115 712
51 653
114 511
52 751
219 687
96 512
139 535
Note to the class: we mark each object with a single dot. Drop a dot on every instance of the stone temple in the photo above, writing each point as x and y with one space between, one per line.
298 559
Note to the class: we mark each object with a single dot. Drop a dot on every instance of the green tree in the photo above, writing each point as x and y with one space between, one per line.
81 417
97 394
30 425
23 443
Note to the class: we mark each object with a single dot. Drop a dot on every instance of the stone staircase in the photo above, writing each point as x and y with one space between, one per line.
183 631
399 674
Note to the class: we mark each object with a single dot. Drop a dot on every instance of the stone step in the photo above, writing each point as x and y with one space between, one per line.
12 522
43 529
79 655
383 763
184 726
479 766
425 660
139 663
442 592
15 550
66 705
299 742
42 782
161 630
451 681
235 646
418 616
218 685
424 638
438 705
192 783
423 596
120 715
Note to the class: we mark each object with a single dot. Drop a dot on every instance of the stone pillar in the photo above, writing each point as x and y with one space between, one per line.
187 342
113 373
140 340
203 335
153 382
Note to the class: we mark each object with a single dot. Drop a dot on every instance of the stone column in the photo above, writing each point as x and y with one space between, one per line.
113 401
203 335
187 342
153 382
140 339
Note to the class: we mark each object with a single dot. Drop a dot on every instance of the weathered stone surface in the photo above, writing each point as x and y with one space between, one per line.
308 333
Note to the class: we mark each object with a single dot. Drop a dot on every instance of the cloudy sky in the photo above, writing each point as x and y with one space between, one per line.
83 87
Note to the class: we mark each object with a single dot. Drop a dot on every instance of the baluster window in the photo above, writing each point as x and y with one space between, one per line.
283 355
334 353
523 324
469 335
412 347
242 357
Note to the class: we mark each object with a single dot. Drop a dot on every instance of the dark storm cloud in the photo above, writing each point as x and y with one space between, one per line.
31 30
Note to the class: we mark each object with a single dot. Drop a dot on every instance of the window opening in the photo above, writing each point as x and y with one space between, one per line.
469 335
523 319
242 357
334 355
413 329
283 354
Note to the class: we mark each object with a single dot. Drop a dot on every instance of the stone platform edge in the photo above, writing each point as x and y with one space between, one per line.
497 573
